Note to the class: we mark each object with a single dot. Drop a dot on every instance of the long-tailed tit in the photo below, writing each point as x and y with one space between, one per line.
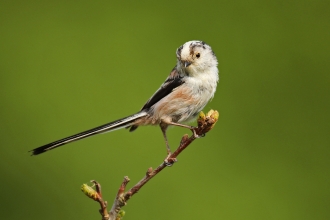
189 87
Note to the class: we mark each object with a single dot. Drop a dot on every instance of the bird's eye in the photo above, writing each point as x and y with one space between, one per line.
198 55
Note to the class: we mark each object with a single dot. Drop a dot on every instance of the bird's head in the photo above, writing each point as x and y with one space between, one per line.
196 56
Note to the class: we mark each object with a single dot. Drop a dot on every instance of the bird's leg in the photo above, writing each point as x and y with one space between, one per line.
168 161
163 127
185 126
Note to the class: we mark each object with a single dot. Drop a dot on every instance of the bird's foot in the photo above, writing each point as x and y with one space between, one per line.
169 161
193 129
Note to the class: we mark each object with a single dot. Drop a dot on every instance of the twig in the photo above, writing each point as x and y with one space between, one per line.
205 124
96 195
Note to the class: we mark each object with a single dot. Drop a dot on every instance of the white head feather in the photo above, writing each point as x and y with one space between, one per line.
196 57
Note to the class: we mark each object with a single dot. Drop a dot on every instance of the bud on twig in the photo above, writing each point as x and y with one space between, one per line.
89 191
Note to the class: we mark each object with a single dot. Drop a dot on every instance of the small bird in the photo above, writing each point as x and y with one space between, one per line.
189 87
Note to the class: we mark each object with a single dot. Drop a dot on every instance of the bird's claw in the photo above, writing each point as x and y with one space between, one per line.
194 133
169 161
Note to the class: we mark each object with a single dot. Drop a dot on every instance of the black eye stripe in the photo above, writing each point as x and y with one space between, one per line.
178 52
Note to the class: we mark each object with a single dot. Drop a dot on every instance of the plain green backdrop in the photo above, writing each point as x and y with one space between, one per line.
67 66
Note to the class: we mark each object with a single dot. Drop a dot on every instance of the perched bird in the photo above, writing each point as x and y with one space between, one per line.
189 87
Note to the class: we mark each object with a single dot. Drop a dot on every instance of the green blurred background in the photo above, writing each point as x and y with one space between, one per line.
67 66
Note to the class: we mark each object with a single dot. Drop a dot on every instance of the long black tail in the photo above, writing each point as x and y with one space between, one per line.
115 125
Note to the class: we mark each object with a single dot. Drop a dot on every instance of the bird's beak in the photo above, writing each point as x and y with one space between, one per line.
186 63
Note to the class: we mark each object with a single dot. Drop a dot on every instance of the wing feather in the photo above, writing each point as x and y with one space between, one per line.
173 81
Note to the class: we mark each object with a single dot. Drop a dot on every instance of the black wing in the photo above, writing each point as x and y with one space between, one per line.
173 81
